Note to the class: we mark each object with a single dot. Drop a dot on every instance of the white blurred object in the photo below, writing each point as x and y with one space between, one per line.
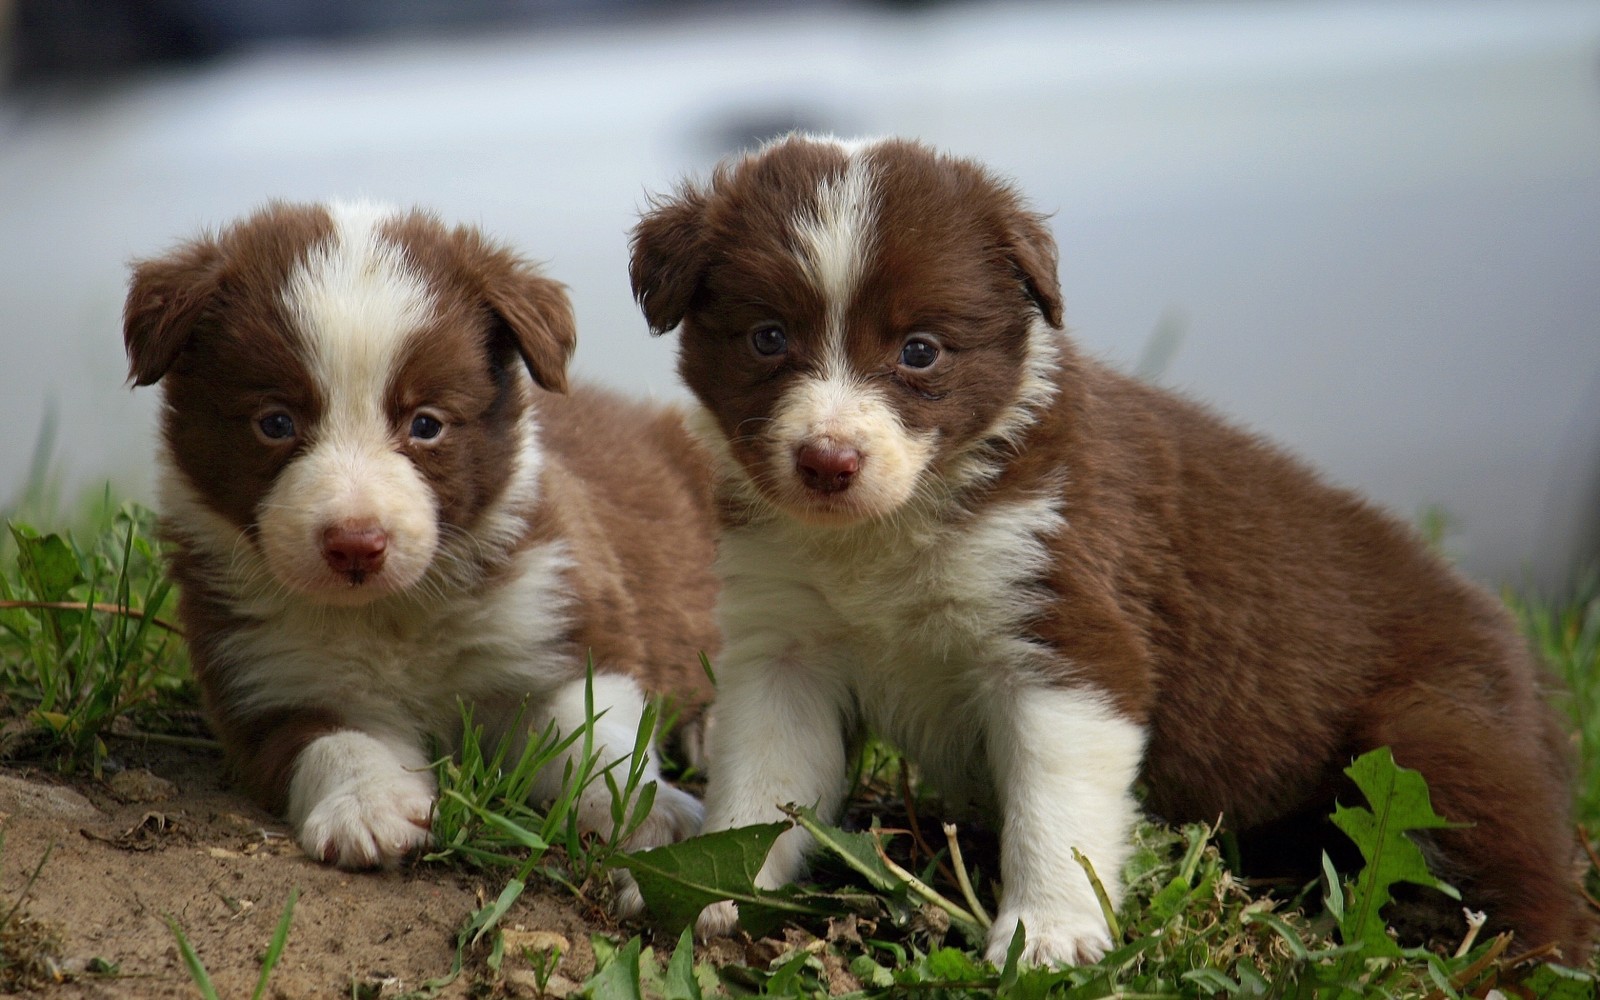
1370 230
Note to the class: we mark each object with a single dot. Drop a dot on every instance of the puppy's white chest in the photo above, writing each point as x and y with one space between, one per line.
405 667
922 623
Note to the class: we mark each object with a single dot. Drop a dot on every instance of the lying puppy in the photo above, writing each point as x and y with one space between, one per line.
375 512
1044 580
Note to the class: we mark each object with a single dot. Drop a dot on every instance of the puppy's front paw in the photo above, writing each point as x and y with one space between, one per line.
1052 938
675 815
373 823
717 920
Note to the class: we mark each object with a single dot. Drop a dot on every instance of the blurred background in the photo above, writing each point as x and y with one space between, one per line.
1370 230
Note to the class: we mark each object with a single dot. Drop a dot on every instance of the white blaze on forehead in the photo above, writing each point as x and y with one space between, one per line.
355 299
834 237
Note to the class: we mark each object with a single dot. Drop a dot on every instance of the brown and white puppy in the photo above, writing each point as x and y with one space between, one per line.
375 512
1042 579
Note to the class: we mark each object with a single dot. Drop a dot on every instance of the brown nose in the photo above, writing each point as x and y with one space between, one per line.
827 470
355 549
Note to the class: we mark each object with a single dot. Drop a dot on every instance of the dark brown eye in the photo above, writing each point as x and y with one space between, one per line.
426 427
275 426
919 352
769 340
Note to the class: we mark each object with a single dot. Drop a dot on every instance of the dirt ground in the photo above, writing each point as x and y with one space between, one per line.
165 836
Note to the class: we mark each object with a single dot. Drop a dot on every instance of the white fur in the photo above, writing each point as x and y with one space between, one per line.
360 800
1066 763
911 628
834 236
838 410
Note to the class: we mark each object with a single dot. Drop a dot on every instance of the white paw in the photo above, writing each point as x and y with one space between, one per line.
675 815
1064 937
629 901
717 920
371 823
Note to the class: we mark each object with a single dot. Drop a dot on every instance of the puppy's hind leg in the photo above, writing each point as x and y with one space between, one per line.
1490 766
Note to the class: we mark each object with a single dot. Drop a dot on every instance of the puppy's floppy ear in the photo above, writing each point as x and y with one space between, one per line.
166 298
1032 252
538 315
669 257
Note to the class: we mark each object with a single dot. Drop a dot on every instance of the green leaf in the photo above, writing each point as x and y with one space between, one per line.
954 966
275 949
857 850
191 960
680 982
679 880
1008 972
619 978
1211 979
1552 982
1333 899
785 980
870 972
1399 800
48 564
485 919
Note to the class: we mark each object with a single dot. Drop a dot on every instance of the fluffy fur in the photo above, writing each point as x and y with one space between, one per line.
374 511
1044 580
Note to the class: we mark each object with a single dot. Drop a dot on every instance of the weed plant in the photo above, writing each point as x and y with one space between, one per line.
87 644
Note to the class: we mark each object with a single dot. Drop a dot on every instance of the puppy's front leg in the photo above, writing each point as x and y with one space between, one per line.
779 738
1064 764
619 705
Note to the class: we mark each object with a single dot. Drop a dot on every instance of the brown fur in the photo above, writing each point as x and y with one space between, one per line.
1264 626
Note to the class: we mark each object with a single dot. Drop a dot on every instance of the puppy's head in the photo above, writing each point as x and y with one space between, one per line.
859 319
342 386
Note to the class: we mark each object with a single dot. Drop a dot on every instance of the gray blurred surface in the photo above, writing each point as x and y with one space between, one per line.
1374 228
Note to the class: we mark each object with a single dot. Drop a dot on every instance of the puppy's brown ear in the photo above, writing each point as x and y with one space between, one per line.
538 314
166 298
669 258
1032 252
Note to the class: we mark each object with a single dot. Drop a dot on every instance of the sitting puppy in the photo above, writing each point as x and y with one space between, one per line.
1044 580
374 512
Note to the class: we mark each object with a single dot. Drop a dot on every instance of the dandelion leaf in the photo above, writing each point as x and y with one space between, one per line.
679 880
619 979
1399 804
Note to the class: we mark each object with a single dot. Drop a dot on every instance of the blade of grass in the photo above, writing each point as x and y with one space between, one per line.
275 949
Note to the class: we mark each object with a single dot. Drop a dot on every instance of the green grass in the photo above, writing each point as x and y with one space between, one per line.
87 643
88 654
269 959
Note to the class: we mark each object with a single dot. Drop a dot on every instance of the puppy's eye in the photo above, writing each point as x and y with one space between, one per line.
275 426
769 340
919 352
426 427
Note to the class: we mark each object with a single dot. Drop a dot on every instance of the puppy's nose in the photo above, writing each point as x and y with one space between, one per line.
355 549
827 470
